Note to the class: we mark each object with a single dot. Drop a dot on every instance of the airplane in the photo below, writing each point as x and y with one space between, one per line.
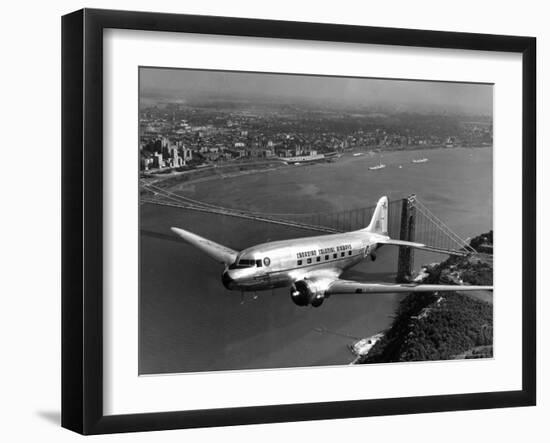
311 266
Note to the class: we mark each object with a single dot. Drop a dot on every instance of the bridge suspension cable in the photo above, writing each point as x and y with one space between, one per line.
158 190
439 224
179 201
431 230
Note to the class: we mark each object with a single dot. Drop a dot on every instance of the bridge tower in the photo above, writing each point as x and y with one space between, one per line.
405 261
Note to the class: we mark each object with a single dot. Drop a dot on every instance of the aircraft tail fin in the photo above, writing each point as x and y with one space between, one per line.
379 221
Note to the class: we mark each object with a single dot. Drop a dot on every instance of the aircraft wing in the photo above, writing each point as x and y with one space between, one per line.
353 287
220 253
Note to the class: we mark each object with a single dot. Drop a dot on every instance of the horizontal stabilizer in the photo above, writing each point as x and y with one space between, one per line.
220 253
391 241
353 287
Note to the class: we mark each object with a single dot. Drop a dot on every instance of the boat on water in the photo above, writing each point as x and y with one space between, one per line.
420 160
357 154
378 166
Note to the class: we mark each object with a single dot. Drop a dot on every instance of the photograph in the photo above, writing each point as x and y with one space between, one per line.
290 220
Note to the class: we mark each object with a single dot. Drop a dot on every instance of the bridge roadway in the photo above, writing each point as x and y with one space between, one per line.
232 213
262 218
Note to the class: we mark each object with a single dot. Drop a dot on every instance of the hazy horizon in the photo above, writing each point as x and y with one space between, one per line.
185 85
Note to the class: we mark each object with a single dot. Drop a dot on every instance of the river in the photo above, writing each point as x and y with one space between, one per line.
189 322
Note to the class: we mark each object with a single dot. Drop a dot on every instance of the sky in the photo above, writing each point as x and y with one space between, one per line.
192 85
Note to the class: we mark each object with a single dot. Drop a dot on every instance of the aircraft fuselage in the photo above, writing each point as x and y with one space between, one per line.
281 263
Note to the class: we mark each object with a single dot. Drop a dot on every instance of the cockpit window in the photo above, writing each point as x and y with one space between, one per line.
246 263
243 263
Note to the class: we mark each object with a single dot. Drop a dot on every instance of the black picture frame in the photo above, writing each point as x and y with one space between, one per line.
82 216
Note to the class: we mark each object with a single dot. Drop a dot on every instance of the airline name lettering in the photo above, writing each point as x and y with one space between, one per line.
314 252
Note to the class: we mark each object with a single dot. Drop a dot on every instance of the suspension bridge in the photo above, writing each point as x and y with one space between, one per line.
408 219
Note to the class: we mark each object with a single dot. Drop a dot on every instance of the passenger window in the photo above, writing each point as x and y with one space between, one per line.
343 254
349 252
318 258
299 262
308 261
259 263
326 257
334 255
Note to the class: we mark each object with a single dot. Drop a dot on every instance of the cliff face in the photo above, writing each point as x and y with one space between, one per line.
442 326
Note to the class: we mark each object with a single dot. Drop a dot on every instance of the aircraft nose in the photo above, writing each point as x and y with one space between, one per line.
227 281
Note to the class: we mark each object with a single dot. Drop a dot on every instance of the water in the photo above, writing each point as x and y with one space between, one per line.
189 322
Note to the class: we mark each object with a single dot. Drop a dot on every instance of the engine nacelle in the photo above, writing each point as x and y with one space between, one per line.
305 293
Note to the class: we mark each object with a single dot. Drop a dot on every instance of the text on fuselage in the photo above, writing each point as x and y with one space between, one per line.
315 252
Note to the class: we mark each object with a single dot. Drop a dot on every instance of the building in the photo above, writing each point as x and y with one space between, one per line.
146 163
187 154
174 161
158 163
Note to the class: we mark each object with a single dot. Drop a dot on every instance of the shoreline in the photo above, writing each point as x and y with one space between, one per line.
215 172
415 334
